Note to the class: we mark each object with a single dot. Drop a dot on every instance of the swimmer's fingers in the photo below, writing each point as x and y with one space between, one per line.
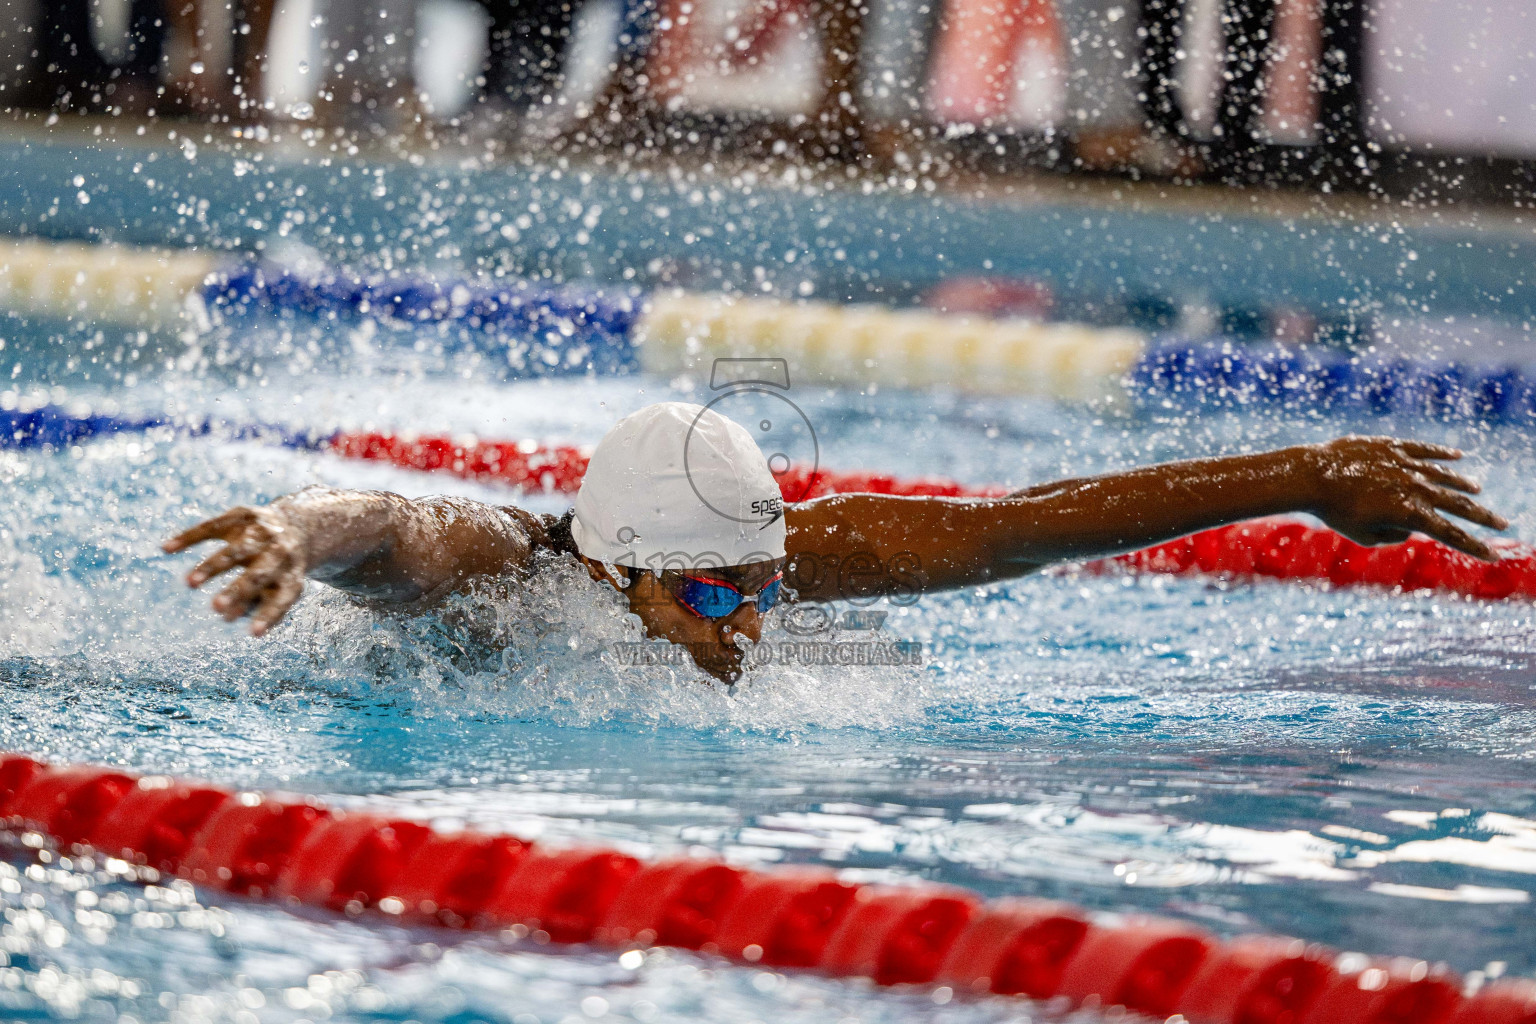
1445 478
1466 508
1425 450
221 561
275 603
208 529
1447 532
264 571
235 599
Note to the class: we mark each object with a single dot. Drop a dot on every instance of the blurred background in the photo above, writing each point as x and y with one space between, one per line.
1429 101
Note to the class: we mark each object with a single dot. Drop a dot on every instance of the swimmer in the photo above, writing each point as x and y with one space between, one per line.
680 513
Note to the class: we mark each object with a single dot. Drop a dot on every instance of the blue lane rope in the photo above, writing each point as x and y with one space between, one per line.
52 427
1214 375
525 329
531 330
507 330
1204 376
1221 374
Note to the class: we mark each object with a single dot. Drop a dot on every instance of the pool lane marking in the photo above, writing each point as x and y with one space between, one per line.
526 328
295 851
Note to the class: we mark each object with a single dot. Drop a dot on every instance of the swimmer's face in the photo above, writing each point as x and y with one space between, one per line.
711 642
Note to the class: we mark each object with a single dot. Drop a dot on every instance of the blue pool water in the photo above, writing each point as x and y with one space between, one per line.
1351 767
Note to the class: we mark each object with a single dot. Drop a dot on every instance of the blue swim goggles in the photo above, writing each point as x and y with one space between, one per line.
709 598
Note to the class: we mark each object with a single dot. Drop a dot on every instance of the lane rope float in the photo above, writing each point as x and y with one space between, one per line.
1283 548
1217 373
1280 548
863 345
299 852
525 328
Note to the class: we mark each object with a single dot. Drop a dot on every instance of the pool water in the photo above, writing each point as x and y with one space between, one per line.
1353 767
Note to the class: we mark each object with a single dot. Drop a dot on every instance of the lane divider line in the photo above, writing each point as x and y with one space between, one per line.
1283 548
525 328
299 852
127 286
1275 548
863 345
1216 373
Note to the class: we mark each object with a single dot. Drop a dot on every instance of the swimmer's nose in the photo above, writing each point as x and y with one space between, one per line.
745 620
726 661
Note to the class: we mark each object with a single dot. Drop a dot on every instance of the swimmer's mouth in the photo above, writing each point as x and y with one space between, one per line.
726 666
731 675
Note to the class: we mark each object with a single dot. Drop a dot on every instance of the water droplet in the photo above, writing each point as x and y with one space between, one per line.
197 67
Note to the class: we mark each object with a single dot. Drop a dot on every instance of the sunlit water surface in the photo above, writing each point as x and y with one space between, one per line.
1351 767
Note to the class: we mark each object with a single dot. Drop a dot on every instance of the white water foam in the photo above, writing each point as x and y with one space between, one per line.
548 649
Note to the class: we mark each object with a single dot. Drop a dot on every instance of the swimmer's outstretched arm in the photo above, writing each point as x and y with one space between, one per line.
1374 490
371 544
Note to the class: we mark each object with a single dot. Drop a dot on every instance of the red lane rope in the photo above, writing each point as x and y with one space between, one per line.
526 465
294 851
1283 548
1277 548
558 469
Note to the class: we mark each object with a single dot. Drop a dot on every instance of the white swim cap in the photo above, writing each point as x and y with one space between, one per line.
678 486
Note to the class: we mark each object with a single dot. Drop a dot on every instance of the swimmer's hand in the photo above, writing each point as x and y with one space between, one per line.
372 545
270 544
1379 490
